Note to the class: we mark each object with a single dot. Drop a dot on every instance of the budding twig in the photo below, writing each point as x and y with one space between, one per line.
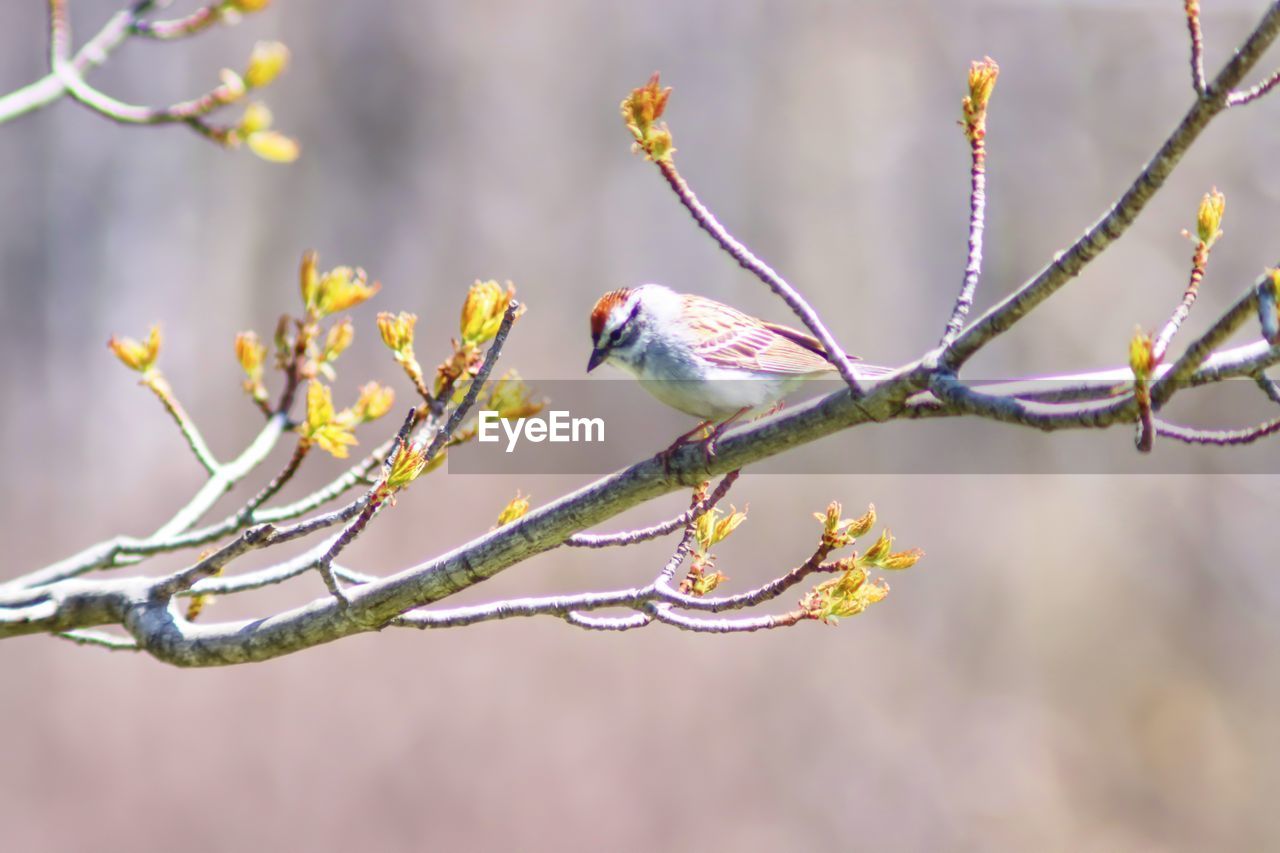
477 382
1142 361
640 112
176 28
1208 230
982 80
67 78
1117 219
164 392
765 592
380 493
656 601
123 24
1197 46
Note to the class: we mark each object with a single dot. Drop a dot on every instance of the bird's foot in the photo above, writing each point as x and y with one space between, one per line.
666 456
714 431
772 410
709 443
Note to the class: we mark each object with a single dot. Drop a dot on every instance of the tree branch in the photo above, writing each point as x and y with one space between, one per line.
54 600
1068 264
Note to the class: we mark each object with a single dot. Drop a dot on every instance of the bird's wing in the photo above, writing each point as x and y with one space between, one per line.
726 337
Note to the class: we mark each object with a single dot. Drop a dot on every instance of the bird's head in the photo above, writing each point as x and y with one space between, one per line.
616 325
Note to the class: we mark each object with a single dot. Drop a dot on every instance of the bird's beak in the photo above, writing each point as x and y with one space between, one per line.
597 358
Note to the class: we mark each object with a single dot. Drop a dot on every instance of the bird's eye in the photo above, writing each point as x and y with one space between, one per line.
615 335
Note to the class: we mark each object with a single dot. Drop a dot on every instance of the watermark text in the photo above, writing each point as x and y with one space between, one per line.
556 426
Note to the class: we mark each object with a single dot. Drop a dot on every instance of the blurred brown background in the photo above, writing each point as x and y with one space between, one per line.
1081 663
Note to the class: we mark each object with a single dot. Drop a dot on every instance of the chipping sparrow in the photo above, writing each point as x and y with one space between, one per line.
700 356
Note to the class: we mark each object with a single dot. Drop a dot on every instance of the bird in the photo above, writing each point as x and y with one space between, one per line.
702 357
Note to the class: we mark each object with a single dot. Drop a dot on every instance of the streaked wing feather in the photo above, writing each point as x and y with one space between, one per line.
729 338
805 340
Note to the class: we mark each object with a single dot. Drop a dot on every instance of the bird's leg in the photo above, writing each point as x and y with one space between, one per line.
686 438
709 445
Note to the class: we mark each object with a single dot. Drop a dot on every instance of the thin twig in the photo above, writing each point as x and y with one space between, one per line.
225 478
188 25
473 390
72 82
973 268
269 576
170 536
1203 347
278 482
608 623
190 112
733 625
356 475
59 34
751 598
681 551
555 605
975 125
1218 437
1245 96
748 261
101 639
644 534
95 52
1198 81
252 539
164 392
124 550
1180 314
1269 387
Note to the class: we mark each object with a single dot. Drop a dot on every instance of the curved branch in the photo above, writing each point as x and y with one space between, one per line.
748 261
95 52
1218 437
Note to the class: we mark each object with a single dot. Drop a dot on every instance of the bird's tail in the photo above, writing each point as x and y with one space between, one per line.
862 370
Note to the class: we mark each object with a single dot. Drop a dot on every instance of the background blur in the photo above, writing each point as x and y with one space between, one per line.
1081 663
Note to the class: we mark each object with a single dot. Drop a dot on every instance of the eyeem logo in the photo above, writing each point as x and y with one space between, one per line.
559 426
